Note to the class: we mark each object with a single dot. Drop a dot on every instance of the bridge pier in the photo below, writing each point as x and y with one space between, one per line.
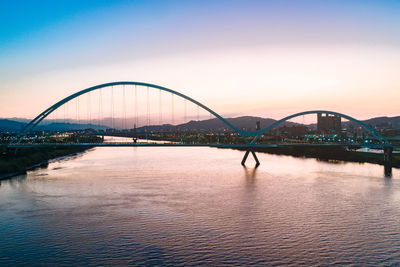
254 156
387 157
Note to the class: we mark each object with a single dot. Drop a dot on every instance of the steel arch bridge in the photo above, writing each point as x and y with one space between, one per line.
249 145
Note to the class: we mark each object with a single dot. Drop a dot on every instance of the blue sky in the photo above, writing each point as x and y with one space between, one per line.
43 44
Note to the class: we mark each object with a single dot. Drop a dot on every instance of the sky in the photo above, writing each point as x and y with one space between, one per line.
261 58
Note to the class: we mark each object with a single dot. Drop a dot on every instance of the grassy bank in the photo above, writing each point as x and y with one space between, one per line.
330 154
22 159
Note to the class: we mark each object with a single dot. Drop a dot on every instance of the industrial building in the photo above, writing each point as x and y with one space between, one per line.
329 124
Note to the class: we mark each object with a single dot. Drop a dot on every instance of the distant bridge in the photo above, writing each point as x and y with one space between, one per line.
249 137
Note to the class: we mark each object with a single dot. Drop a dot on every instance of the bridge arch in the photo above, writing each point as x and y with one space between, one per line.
365 126
52 108
242 133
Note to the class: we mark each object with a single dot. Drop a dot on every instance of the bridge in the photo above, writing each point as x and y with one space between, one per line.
124 117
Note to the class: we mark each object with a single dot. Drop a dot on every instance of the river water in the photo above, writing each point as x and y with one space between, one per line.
199 206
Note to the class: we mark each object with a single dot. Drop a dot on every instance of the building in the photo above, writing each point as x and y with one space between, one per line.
329 124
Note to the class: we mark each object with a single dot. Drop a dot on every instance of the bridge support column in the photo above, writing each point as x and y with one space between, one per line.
245 157
387 154
254 156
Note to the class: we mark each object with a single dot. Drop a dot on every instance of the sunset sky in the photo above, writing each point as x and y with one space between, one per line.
264 58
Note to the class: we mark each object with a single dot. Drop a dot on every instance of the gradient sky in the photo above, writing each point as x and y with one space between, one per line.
266 58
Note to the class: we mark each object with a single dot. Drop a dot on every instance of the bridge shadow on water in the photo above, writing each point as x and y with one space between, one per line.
250 175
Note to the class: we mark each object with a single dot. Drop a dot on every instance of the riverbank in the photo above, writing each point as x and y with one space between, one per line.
329 154
21 160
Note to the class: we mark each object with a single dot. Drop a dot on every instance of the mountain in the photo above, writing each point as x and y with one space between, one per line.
384 121
7 125
387 122
10 125
23 120
61 126
244 122
249 123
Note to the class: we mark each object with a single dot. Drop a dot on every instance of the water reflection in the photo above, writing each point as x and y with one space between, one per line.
250 173
170 206
250 176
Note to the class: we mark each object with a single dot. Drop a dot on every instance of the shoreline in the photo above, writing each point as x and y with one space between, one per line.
318 153
13 174
329 155
49 157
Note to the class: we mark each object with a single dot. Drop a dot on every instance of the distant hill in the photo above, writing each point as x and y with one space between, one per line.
374 122
249 123
10 125
7 125
61 126
384 121
23 120
244 122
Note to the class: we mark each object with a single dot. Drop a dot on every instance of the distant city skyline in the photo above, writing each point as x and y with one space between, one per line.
256 58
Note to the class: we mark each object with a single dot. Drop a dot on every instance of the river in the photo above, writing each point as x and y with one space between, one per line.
199 206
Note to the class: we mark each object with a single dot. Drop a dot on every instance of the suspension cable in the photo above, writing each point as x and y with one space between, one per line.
112 107
54 116
100 115
148 108
136 108
88 117
77 111
159 109
123 105
184 111
172 100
